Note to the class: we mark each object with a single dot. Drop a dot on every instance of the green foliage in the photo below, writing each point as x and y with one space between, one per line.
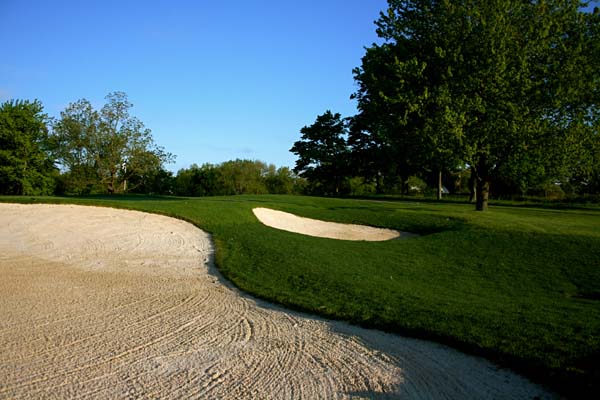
508 87
416 185
322 154
235 177
25 166
360 186
280 181
105 150
550 191
243 177
156 181
585 177
371 154
197 181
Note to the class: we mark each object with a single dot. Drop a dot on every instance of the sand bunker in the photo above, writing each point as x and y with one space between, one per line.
105 303
332 230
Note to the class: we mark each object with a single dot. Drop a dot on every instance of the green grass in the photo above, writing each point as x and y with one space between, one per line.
519 285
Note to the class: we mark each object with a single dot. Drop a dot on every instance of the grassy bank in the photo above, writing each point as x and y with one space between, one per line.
520 285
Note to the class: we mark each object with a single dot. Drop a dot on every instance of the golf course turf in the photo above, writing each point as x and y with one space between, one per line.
519 285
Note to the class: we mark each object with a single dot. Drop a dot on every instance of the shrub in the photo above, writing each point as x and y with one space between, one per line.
416 185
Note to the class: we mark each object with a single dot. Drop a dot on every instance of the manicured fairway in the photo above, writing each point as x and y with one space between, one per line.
519 285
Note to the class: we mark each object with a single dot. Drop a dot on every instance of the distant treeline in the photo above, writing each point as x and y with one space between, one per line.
88 151
235 177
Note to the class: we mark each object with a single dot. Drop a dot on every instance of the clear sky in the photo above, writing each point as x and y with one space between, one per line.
214 80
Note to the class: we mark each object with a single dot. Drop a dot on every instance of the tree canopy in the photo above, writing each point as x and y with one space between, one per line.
322 152
105 149
26 168
235 177
507 87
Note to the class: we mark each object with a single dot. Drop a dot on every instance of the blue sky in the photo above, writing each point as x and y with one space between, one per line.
213 80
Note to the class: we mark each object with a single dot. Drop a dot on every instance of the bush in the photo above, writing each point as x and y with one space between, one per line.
549 191
416 185
359 186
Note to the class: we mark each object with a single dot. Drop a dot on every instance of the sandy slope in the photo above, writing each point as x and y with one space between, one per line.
332 230
105 303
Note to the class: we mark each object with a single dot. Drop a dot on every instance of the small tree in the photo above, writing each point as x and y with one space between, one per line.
25 165
323 153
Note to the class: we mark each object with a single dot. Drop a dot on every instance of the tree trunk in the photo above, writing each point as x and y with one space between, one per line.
472 185
439 185
483 179
483 191
378 185
111 183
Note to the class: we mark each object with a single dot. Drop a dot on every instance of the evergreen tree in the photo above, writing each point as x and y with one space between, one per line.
323 153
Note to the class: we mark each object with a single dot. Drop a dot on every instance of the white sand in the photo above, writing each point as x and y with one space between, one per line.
332 230
106 303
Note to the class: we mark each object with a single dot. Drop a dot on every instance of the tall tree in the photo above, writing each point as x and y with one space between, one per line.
505 86
108 147
25 165
73 145
371 156
400 102
323 152
381 130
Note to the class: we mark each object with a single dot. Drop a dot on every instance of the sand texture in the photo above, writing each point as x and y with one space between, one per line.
106 303
332 230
